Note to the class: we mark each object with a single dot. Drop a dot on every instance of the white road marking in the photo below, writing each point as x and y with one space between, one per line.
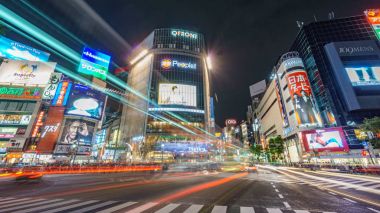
24 202
71 206
118 207
87 209
46 206
21 206
352 201
14 201
274 210
142 208
246 209
274 186
277 190
219 209
332 193
8 198
301 211
193 209
168 208
377 211
280 195
286 204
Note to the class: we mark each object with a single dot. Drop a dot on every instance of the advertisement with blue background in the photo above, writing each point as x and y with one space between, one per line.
18 51
84 101
94 63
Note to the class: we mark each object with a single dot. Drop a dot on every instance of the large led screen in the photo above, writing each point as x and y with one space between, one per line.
177 94
331 139
86 102
364 76
77 131
18 51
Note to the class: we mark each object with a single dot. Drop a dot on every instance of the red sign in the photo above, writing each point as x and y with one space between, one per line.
322 140
38 124
300 92
373 16
231 122
51 130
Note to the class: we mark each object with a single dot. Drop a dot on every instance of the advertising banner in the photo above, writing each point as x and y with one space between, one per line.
177 94
10 132
16 92
26 72
300 93
8 119
18 51
51 129
330 139
77 131
52 86
62 94
373 16
364 76
94 63
69 149
86 102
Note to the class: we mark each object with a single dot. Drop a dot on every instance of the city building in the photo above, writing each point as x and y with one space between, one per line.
171 100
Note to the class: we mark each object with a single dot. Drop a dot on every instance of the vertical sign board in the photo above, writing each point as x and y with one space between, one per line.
52 86
94 63
62 94
212 114
51 129
300 93
38 124
373 16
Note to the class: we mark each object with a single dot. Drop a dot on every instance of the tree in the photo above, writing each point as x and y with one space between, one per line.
372 125
256 150
276 148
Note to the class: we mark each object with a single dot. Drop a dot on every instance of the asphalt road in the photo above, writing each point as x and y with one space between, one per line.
269 191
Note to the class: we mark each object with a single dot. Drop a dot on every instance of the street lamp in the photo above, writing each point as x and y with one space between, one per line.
74 150
162 152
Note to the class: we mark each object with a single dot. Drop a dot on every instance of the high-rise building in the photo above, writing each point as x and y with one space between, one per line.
171 103
310 43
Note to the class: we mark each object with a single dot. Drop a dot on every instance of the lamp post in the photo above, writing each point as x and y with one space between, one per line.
162 153
74 152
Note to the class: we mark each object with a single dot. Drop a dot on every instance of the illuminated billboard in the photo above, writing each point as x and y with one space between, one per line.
62 94
9 119
177 94
84 101
364 76
94 63
26 72
18 92
77 131
52 86
14 50
168 63
373 16
300 93
51 129
184 34
330 139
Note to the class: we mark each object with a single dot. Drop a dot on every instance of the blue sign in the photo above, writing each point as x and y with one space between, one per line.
18 51
94 63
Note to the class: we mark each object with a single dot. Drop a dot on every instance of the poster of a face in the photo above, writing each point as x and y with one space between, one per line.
300 92
77 131
177 94
86 102
327 139
364 76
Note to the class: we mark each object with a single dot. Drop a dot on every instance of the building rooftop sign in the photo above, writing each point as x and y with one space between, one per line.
185 34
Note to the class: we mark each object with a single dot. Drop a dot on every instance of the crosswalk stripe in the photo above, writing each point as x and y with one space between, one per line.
274 210
193 208
70 206
22 206
168 208
244 209
301 211
14 201
219 209
24 202
8 198
118 207
86 209
46 206
142 208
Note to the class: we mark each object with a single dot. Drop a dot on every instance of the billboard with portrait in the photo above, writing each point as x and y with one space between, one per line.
84 101
26 72
364 76
14 50
300 93
177 94
330 139
77 131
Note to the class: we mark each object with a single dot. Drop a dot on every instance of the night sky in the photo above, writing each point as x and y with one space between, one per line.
244 38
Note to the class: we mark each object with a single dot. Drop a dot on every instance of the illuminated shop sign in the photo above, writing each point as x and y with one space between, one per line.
373 16
364 76
185 34
169 63
52 86
94 63
293 62
177 110
38 124
10 132
62 94
51 130
18 51
7 119
13 92
231 122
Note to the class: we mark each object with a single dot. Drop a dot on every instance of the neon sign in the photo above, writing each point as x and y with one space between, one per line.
373 16
186 34
168 63
94 63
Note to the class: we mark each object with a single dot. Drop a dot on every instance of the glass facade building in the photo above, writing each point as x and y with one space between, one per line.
310 43
169 98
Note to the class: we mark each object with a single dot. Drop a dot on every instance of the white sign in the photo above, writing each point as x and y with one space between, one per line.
257 88
177 94
26 72
51 88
